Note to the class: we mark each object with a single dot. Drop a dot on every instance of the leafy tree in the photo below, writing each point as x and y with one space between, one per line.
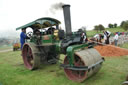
101 27
121 25
125 25
110 25
115 25
96 28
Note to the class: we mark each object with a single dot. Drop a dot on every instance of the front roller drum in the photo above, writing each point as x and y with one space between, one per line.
84 58
75 75
31 60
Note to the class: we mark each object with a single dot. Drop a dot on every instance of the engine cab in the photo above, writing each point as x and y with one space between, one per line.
45 31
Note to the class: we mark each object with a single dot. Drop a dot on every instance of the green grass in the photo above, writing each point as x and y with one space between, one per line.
125 45
113 30
5 47
13 72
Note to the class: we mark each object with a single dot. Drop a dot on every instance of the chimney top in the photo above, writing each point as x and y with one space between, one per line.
66 5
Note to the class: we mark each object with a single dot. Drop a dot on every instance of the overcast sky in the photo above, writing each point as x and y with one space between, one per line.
15 13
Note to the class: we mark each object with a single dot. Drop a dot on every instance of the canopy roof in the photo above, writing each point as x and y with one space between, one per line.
41 23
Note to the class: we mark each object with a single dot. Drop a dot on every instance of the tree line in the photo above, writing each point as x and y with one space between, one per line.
100 27
124 25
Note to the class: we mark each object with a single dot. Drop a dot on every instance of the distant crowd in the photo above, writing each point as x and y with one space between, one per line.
105 37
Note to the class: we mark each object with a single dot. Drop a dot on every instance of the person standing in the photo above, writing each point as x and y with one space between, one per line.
23 36
116 38
83 37
106 36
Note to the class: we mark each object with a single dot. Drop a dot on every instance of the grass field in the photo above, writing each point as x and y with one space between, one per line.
13 72
91 33
5 47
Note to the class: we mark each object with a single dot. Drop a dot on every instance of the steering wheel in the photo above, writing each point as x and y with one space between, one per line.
29 34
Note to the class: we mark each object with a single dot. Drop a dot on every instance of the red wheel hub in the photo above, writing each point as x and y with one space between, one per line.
75 75
27 56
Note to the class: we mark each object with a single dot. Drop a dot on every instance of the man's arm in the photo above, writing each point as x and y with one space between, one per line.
24 35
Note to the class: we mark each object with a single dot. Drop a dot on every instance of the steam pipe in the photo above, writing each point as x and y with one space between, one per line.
67 19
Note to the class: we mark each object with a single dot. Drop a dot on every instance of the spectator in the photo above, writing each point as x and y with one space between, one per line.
122 33
106 36
83 37
98 37
116 38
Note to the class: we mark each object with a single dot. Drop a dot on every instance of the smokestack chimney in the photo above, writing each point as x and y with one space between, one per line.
67 19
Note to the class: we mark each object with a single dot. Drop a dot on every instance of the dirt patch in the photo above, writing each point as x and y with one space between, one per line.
110 50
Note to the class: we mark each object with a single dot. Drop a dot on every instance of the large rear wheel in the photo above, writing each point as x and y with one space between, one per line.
31 60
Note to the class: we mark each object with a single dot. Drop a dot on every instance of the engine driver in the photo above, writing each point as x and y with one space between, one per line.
23 36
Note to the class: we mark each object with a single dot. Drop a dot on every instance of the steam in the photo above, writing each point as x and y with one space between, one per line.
55 7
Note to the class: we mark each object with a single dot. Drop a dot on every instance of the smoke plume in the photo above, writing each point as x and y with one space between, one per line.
55 7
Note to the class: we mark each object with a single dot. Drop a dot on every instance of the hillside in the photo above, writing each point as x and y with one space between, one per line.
113 30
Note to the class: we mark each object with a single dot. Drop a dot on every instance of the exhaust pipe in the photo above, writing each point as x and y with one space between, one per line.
67 19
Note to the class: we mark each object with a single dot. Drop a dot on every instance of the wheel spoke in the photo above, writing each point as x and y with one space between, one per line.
28 57
76 75
79 74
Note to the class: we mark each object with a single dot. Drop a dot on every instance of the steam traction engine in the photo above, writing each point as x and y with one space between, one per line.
47 42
